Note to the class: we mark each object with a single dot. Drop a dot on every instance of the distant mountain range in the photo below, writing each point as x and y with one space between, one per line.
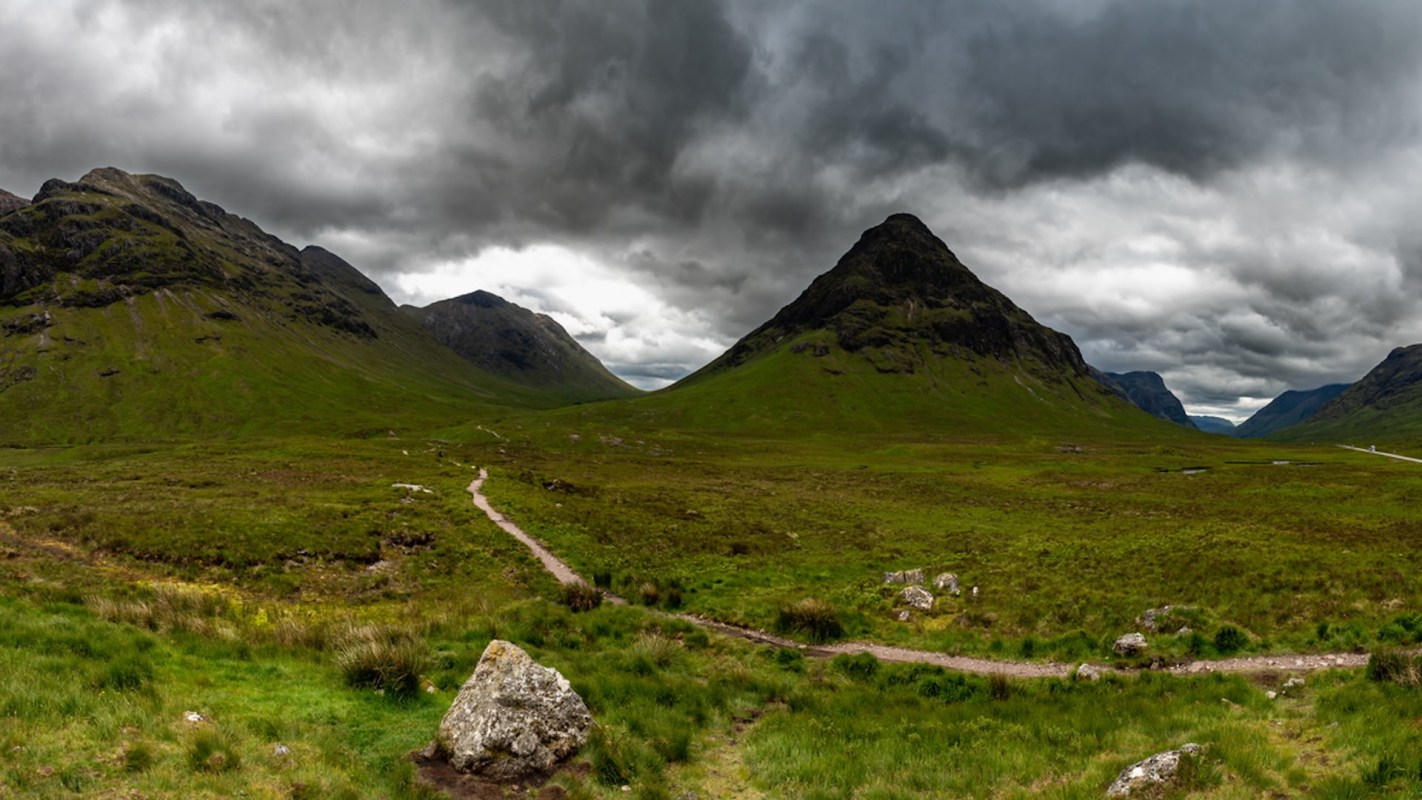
1288 409
1385 404
513 342
132 310
1218 425
1147 390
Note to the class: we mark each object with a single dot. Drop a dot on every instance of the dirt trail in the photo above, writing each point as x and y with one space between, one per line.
1381 453
555 565
976 666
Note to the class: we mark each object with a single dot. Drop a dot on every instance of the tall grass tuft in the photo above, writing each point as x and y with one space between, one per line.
1389 665
814 618
382 657
212 752
579 596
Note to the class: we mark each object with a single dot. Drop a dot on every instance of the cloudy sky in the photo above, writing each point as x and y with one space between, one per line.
1223 192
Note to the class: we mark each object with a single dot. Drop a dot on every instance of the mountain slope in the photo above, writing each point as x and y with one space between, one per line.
130 309
1148 391
1218 425
10 202
1290 408
510 341
899 335
1385 404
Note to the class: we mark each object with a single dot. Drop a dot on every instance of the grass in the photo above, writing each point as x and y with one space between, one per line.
274 585
1068 549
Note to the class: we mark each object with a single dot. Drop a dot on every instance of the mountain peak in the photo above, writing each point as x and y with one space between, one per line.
481 299
1149 392
900 296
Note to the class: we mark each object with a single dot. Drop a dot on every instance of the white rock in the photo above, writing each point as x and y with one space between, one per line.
1086 672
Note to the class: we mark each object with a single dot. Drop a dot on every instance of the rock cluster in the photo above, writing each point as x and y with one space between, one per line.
513 718
1159 769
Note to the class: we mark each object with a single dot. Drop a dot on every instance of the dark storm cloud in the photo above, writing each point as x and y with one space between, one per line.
719 153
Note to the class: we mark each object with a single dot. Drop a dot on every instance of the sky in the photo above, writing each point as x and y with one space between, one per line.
1221 192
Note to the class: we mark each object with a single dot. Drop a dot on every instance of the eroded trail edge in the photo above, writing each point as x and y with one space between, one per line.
560 570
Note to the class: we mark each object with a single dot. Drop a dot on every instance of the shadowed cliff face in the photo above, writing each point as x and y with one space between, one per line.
900 290
1288 409
1147 390
513 342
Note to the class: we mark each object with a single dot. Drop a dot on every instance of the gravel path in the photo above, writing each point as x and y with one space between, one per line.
556 566
1381 453
977 666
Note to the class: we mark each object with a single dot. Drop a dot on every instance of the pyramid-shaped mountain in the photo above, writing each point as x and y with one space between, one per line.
1385 404
508 340
901 333
131 309
900 295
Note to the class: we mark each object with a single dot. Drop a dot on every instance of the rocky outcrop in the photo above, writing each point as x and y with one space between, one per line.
914 576
513 718
10 202
947 582
1131 644
1159 769
1147 390
917 597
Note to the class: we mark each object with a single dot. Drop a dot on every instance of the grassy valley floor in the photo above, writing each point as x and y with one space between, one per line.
260 584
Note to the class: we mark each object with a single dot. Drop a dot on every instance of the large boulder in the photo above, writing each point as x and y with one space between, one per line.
513 718
1160 768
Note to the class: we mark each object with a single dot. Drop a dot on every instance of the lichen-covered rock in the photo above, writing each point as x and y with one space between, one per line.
1158 769
1087 672
1130 644
918 597
947 582
513 718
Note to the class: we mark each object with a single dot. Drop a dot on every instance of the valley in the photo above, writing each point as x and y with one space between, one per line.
259 520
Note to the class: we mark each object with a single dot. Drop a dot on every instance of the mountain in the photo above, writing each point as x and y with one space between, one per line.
530 349
131 309
10 202
899 334
1290 408
1385 404
1218 425
1148 392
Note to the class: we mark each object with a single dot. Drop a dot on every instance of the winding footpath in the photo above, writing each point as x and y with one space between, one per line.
1381 453
565 574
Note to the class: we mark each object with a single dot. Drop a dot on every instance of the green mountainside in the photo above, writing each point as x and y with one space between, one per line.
130 309
510 341
1386 404
899 335
1290 408
1147 390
